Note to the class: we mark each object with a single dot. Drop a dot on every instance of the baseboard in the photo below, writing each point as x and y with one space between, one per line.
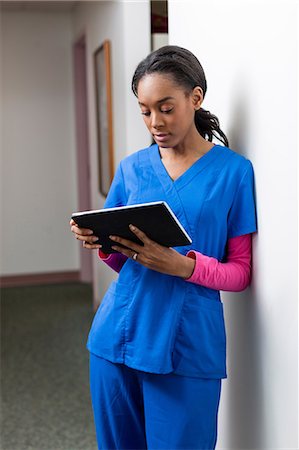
39 278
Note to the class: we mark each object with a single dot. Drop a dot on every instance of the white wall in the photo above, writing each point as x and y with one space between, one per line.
159 40
127 25
249 52
38 148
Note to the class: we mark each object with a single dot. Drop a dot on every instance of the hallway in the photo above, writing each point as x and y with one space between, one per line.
44 382
248 50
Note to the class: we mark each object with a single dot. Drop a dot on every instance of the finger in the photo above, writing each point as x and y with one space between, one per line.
131 245
82 231
127 252
72 222
87 239
140 234
91 246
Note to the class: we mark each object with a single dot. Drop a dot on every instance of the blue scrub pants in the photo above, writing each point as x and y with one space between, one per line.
136 410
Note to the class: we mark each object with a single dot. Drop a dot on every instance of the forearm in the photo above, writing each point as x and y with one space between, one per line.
233 275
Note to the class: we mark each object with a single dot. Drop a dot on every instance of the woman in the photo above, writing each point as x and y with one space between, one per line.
157 343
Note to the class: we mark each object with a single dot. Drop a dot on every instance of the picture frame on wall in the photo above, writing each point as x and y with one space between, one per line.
102 70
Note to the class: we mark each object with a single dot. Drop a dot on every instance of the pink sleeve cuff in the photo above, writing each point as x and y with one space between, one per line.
232 275
104 256
113 260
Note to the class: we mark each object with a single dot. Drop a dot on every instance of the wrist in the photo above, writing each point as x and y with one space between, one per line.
188 267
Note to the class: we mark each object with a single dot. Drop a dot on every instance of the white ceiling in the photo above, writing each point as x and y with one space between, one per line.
39 5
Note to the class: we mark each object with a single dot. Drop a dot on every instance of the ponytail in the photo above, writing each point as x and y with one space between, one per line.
208 126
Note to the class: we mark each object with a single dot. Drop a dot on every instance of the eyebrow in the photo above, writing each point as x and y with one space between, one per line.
164 99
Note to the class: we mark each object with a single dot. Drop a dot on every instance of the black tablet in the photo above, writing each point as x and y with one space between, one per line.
155 219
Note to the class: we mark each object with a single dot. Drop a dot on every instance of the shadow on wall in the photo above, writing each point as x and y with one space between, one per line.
239 132
246 405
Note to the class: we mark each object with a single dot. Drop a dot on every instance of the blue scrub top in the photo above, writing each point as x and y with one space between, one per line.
161 323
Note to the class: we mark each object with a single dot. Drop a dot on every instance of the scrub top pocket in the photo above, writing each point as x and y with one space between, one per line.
106 336
200 346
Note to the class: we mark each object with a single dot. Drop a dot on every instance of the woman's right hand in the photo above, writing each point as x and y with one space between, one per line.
85 235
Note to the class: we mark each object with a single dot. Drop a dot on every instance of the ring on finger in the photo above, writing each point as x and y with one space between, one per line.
135 256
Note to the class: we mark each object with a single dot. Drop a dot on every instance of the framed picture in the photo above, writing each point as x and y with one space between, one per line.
102 68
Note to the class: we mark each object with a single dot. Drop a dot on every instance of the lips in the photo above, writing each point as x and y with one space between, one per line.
161 136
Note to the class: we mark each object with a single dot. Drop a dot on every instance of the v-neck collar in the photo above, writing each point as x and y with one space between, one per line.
186 176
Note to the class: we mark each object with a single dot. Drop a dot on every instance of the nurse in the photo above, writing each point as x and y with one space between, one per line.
157 342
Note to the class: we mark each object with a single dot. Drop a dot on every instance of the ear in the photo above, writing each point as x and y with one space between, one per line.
197 97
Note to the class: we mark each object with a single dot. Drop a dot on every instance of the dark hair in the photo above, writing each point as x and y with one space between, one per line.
187 71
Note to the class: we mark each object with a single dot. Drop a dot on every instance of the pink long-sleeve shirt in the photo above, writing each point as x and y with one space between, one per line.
233 275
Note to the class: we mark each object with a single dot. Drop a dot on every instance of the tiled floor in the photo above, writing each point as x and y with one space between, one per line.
44 368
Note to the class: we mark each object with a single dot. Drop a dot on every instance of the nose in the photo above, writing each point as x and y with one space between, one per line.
157 120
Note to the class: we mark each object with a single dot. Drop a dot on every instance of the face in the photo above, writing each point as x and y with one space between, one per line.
167 110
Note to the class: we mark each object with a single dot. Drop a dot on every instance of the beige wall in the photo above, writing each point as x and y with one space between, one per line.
38 157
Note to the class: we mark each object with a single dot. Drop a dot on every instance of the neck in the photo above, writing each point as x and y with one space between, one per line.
189 148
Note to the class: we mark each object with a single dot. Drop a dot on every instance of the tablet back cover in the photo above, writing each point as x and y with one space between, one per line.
155 219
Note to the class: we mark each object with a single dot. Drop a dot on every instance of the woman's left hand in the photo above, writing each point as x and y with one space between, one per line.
155 256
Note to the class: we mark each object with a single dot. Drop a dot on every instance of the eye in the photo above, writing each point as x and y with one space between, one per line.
145 113
166 111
